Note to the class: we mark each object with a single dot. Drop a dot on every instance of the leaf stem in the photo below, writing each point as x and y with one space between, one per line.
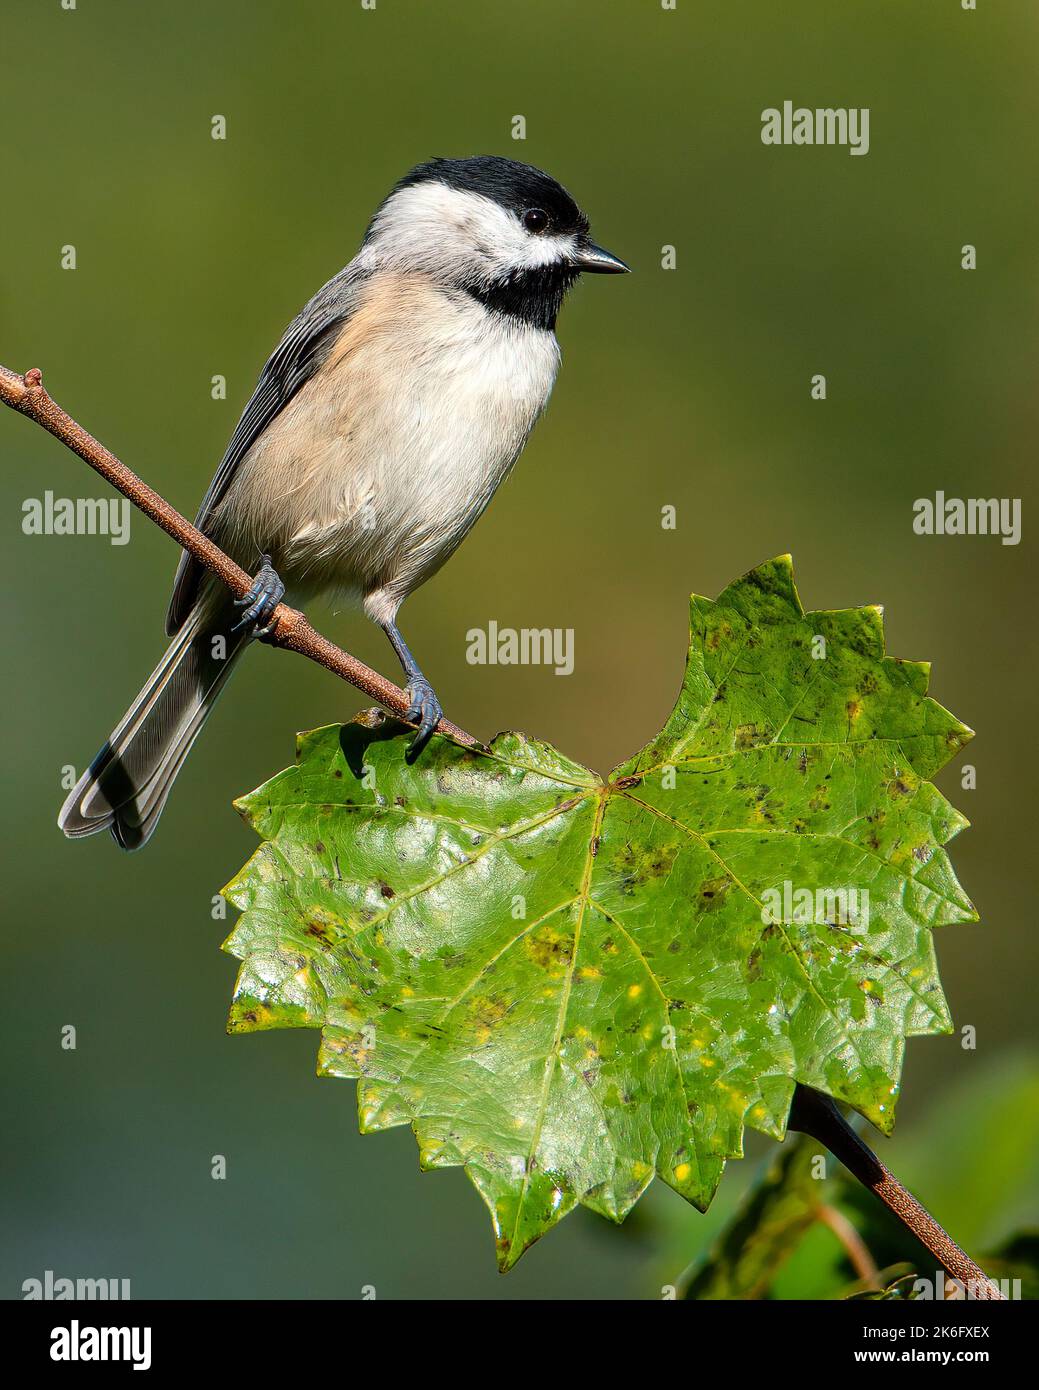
813 1113
290 629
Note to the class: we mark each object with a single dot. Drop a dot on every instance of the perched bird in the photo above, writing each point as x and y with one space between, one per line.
381 425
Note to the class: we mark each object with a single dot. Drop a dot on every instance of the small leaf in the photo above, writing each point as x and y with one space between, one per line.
898 1289
570 985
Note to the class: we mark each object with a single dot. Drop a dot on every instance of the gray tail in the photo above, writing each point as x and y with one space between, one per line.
125 788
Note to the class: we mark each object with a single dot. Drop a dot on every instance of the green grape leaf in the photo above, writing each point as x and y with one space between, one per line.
569 984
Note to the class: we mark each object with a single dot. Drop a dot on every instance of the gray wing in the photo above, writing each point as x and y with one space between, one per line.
305 345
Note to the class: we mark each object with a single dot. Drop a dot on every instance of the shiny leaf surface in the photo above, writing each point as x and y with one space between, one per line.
569 984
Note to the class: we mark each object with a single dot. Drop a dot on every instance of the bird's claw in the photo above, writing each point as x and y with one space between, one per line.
423 710
261 600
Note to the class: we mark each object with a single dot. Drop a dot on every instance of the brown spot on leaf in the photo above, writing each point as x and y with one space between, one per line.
549 949
819 800
747 735
712 893
486 1013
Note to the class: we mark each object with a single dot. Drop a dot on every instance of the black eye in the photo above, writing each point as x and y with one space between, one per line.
535 219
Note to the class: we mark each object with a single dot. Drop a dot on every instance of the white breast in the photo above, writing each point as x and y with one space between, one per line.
389 454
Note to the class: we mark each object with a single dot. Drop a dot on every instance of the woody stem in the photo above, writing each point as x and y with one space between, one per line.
815 1114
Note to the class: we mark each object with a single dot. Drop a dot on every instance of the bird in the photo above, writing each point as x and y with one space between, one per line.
381 425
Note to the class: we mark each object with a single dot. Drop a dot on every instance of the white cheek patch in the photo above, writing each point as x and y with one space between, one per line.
458 235
543 250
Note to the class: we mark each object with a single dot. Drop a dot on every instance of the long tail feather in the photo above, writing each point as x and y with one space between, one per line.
126 786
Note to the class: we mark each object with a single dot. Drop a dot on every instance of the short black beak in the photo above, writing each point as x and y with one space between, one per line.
593 259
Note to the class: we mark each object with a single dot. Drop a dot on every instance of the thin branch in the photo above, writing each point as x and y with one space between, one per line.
289 628
815 1114
855 1247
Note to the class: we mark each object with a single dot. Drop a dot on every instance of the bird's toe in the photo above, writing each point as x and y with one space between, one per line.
425 711
262 599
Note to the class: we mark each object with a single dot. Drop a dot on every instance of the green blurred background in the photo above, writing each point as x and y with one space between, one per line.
687 387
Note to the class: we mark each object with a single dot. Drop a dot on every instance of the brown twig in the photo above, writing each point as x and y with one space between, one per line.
855 1247
289 628
815 1114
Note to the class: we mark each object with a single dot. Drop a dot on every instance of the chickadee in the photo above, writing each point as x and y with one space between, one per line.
397 401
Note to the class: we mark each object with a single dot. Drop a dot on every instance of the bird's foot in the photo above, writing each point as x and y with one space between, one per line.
423 710
261 600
